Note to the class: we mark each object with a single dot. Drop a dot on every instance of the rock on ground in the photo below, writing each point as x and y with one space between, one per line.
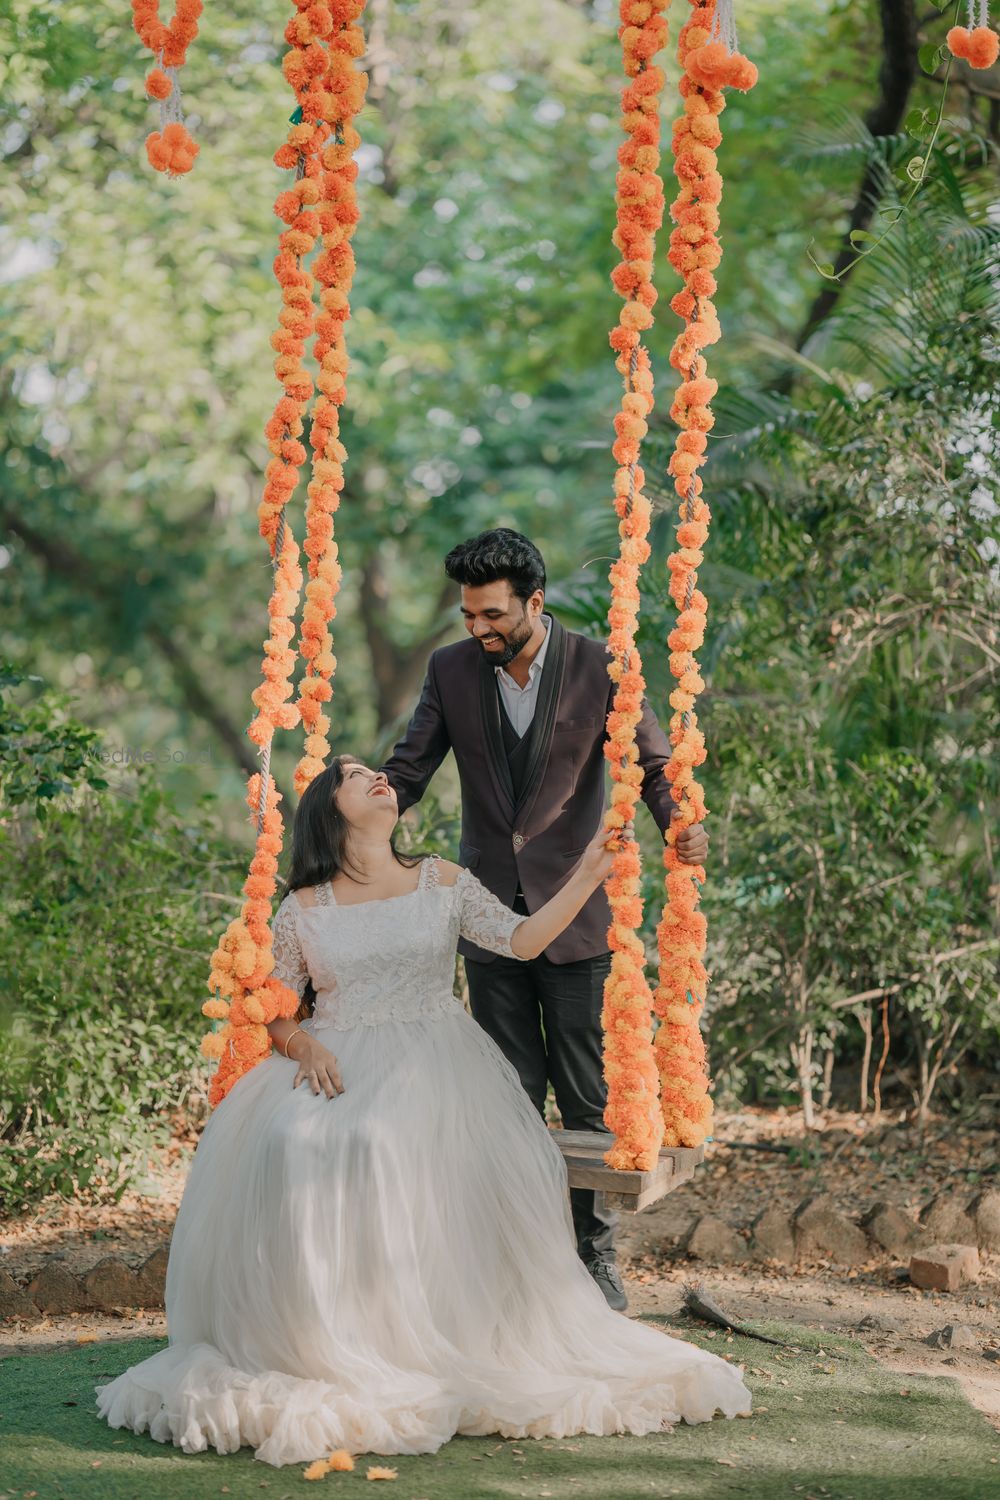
987 1213
945 1221
714 1240
891 1228
943 1268
822 1232
953 1336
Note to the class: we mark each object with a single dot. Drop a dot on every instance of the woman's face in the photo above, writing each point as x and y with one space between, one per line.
366 799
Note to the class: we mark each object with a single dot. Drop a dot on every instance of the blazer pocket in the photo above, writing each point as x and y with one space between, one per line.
575 853
468 856
568 724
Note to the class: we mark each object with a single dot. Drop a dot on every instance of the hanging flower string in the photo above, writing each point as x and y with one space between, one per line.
324 43
706 50
171 148
343 86
976 44
632 1111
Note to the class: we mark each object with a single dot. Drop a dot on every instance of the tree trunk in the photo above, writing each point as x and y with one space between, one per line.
802 1052
829 1057
865 1022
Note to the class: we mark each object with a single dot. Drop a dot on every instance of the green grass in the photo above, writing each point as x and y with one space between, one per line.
829 1424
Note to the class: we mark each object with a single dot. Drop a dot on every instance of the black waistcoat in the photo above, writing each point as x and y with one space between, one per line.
518 748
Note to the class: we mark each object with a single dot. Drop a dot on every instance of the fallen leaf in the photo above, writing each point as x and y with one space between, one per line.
376 1473
727 1461
86 1338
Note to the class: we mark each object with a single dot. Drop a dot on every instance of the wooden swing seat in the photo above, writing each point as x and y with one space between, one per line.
583 1152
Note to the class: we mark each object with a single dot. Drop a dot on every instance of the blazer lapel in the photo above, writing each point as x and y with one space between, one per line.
489 705
543 722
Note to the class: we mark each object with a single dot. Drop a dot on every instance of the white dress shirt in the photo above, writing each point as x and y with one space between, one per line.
519 702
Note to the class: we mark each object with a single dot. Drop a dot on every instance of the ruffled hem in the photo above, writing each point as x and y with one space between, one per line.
194 1399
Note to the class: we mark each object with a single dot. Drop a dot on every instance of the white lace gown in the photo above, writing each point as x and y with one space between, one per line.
383 1270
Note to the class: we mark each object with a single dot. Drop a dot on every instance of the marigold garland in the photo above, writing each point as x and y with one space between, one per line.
343 88
710 63
632 1111
976 44
321 66
171 148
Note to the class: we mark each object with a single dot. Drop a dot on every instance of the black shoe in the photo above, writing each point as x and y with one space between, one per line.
605 1273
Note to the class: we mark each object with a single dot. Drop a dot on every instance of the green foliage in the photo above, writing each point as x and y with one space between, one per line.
42 751
109 906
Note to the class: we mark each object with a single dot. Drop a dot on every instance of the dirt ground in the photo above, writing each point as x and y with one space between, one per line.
757 1159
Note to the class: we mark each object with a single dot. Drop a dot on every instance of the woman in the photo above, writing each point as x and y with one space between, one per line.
385 1258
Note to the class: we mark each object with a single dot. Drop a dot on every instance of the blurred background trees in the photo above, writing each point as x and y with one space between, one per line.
853 652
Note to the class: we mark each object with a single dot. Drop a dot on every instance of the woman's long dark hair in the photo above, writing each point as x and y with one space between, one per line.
320 839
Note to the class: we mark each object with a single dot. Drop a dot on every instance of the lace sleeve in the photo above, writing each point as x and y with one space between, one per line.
289 964
483 918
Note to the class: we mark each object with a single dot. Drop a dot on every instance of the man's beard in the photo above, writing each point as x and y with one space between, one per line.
514 644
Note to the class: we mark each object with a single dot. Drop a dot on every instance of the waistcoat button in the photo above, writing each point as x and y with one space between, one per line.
518 840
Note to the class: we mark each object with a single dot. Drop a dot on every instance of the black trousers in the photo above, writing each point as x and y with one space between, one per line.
546 1020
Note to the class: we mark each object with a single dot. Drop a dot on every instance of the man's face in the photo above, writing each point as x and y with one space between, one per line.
500 621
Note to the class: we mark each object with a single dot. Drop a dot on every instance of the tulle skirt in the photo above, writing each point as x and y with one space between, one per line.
383 1270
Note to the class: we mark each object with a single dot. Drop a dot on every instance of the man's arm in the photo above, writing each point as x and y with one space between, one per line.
654 752
422 749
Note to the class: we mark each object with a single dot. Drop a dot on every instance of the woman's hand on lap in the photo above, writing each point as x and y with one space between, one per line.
318 1066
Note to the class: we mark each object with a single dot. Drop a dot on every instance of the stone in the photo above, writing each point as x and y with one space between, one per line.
56 1290
152 1278
986 1209
889 1227
946 1222
822 1232
953 1336
880 1323
772 1237
715 1240
110 1285
14 1302
943 1268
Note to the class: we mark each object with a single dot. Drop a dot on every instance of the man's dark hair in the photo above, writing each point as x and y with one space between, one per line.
495 555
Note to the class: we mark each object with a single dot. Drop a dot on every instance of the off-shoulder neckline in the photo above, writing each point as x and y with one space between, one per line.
333 904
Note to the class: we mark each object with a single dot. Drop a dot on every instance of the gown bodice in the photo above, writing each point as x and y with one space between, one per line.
389 960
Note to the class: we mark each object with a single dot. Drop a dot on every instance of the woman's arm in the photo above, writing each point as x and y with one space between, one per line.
536 932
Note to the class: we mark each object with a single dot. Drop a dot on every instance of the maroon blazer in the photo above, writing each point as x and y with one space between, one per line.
532 842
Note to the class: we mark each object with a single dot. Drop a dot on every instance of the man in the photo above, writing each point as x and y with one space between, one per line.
523 704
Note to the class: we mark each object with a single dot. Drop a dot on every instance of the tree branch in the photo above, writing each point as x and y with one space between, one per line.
397 672
63 560
896 77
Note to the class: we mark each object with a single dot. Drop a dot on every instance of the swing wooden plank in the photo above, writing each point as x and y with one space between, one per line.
583 1152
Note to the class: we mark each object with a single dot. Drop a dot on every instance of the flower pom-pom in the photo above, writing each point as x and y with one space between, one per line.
157 151
984 48
158 85
958 40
